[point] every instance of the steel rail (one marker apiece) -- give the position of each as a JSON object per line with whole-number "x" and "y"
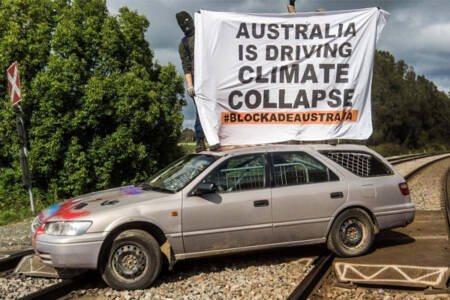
{"x": 62, "y": 288}
{"x": 409, "y": 158}
{"x": 423, "y": 166}
{"x": 445, "y": 205}
{"x": 13, "y": 259}
{"x": 309, "y": 283}
{"x": 406, "y": 158}
{"x": 324, "y": 262}
{"x": 302, "y": 291}
{"x": 51, "y": 292}
{"x": 389, "y": 158}
{"x": 398, "y": 157}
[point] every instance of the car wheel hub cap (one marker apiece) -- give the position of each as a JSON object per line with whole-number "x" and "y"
{"x": 351, "y": 232}
{"x": 129, "y": 261}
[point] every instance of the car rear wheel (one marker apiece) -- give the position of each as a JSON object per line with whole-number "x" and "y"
{"x": 351, "y": 234}
{"x": 134, "y": 261}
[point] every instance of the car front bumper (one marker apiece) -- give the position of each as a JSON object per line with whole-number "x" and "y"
{"x": 80, "y": 252}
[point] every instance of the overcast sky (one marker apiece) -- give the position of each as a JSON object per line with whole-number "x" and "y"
{"x": 418, "y": 31}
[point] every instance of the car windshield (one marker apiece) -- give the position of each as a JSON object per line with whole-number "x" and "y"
{"x": 178, "y": 174}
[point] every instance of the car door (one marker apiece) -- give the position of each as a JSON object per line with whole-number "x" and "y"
{"x": 305, "y": 195}
{"x": 237, "y": 215}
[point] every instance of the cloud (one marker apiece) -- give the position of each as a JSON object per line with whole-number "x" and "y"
{"x": 417, "y": 31}
{"x": 436, "y": 37}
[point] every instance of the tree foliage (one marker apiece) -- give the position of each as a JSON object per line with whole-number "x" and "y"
{"x": 408, "y": 110}
{"x": 99, "y": 111}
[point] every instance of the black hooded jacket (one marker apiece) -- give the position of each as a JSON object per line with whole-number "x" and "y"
{"x": 186, "y": 47}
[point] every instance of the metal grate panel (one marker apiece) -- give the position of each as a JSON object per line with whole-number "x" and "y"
{"x": 238, "y": 179}
{"x": 356, "y": 162}
{"x": 290, "y": 173}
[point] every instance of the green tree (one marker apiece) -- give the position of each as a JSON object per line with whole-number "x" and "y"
{"x": 188, "y": 135}
{"x": 99, "y": 111}
{"x": 408, "y": 110}
{"x": 25, "y": 34}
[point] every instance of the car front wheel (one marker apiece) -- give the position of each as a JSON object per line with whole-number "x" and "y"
{"x": 351, "y": 234}
{"x": 134, "y": 261}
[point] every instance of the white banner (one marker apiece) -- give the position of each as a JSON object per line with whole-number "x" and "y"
{"x": 262, "y": 78}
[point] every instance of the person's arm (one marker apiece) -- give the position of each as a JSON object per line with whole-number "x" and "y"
{"x": 188, "y": 77}
{"x": 190, "y": 84}
{"x": 186, "y": 63}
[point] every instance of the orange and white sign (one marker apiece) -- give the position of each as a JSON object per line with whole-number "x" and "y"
{"x": 15, "y": 90}
{"x": 263, "y": 78}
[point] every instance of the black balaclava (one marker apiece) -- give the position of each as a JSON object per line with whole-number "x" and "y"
{"x": 181, "y": 17}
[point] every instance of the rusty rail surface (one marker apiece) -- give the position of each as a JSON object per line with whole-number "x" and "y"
{"x": 309, "y": 283}
{"x": 302, "y": 291}
{"x": 445, "y": 204}
{"x": 13, "y": 259}
{"x": 62, "y": 288}
{"x": 423, "y": 166}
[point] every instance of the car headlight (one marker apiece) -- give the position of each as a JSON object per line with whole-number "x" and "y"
{"x": 67, "y": 228}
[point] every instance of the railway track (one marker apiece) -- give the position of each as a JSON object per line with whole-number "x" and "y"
{"x": 325, "y": 261}
{"x": 62, "y": 288}
{"x": 423, "y": 166}
{"x": 10, "y": 261}
{"x": 322, "y": 265}
{"x": 402, "y": 159}
{"x": 445, "y": 204}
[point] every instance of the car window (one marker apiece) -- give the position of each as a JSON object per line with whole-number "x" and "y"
{"x": 177, "y": 175}
{"x": 360, "y": 163}
{"x": 239, "y": 173}
{"x": 293, "y": 168}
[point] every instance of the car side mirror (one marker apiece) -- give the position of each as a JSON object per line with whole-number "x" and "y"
{"x": 205, "y": 188}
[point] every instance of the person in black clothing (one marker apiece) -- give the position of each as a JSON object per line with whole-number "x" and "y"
{"x": 186, "y": 51}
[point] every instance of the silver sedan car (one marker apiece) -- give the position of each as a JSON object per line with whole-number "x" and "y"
{"x": 224, "y": 202}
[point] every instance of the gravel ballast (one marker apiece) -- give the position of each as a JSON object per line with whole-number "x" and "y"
{"x": 407, "y": 167}
{"x": 262, "y": 275}
{"x": 13, "y": 287}
{"x": 426, "y": 188}
{"x": 15, "y": 236}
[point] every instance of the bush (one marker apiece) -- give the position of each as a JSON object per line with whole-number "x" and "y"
{"x": 390, "y": 149}
{"x": 436, "y": 147}
{"x": 99, "y": 112}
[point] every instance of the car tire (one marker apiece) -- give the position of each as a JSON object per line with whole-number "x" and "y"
{"x": 352, "y": 233}
{"x": 134, "y": 261}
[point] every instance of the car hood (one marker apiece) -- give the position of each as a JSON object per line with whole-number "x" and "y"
{"x": 85, "y": 205}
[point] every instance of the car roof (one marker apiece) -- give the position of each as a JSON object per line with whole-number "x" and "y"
{"x": 287, "y": 147}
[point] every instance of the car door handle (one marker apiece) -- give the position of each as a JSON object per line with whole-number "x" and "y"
{"x": 336, "y": 195}
{"x": 260, "y": 203}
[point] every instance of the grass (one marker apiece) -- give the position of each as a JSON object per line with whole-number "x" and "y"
{"x": 22, "y": 212}
{"x": 17, "y": 214}
{"x": 188, "y": 147}
{"x": 9, "y": 216}
{"x": 13, "y": 216}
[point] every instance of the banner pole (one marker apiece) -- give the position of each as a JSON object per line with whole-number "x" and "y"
{"x": 30, "y": 193}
